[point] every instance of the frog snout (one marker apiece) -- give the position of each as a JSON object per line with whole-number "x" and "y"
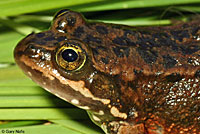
{"x": 21, "y": 46}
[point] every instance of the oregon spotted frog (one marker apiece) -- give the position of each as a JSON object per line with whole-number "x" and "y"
{"x": 131, "y": 80}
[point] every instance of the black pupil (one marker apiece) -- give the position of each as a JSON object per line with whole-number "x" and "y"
{"x": 69, "y": 55}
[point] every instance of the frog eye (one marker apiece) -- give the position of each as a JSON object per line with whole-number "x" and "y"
{"x": 60, "y": 13}
{"x": 70, "y": 57}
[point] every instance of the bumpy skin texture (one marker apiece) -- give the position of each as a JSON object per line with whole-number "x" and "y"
{"x": 136, "y": 80}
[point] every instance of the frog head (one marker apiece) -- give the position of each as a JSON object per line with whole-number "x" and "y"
{"x": 67, "y": 65}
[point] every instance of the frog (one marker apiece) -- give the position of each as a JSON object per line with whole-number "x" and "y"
{"x": 130, "y": 80}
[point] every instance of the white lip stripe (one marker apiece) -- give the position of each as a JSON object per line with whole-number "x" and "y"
{"x": 75, "y": 85}
{"x": 75, "y": 101}
{"x": 115, "y": 112}
{"x": 95, "y": 118}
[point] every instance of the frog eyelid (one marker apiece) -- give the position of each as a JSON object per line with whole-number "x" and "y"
{"x": 61, "y": 13}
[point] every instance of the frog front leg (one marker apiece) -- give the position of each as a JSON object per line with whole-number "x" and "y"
{"x": 122, "y": 127}
{"x": 150, "y": 126}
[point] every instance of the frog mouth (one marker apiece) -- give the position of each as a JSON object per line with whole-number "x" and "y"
{"x": 43, "y": 74}
{"x": 51, "y": 81}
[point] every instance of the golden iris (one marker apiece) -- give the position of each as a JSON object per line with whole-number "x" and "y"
{"x": 70, "y": 57}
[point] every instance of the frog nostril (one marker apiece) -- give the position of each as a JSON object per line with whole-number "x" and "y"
{"x": 30, "y": 47}
{"x": 23, "y": 44}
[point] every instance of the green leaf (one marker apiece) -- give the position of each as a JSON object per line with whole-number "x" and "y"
{"x": 13, "y": 76}
{"x": 32, "y": 101}
{"x": 139, "y": 22}
{"x": 41, "y": 129}
{"x": 42, "y": 113}
{"x": 8, "y": 40}
{"x": 21, "y": 28}
{"x": 20, "y": 123}
{"x": 16, "y": 7}
{"x": 127, "y": 4}
{"x": 22, "y": 90}
{"x": 82, "y": 126}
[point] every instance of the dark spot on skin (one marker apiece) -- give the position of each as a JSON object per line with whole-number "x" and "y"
{"x": 180, "y": 34}
{"x": 61, "y": 38}
{"x": 71, "y": 21}
{"x": 40, "y": 35}
{"x": 105, "y": 60}
{"x": 186, "y": 49}
{"x": 130, "y": 32}
{"x": 195, "y": 30}
{"x": 123, "y": 41}
{"x": 126, "y": 51}
{"x": 121, "y": 51}
{"x": 78, "y": 32}
{"x": 147, "y": 42}
{"x": 174, "y": 77}
{"x": 185, "y": 26}
{"x": 190, "y": 60}
{"x": 118, "y": 52}
{"x": 116, "y": 27}
{"x": 97, "y": 49}
{"x": 38, "y": 41}
{"x": 197, "y": 74}
{"x": 49, "y": 38}
{"x": 169, "y": 61}
{"x": 137, "y": 72}
{"x": 55, "y": 44}
{"x": 149, "y": 56}
{"x": 118, "y": 40}
{"x": 164, "y": 39}
{"x": 90, "y": 38}
{"x": 102, "y": 29}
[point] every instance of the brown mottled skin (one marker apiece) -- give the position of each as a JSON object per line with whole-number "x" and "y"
{"x": 149, "y": 75}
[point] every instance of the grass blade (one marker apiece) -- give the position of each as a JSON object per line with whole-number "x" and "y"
{"x": 42, "y": 114}
{"x": 32, "y": 101}
{"x": 121, "y": 4}
{"x": 41, "y": 129}
{"x": 82, "y": 126}
{"x": 23, "y": 29}
{"x": 20, "y": 123}
{"x": 13, "y": 76}
{"x": 16, "y": 7}
{"x": 22, "y": 91}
